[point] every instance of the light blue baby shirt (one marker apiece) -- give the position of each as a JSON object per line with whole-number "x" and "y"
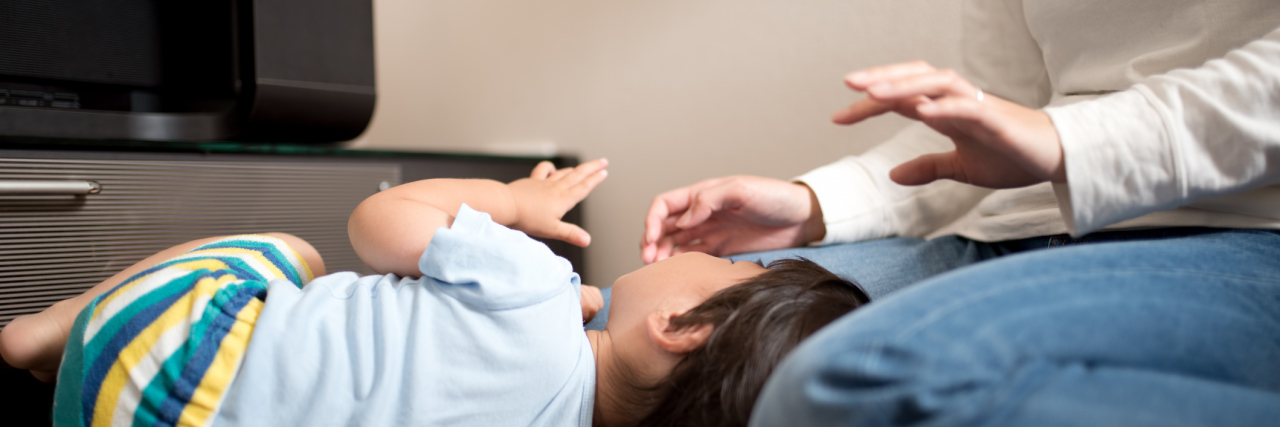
{"x": 491, "y": 336}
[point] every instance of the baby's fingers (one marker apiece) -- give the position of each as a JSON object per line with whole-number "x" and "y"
{"x": 559, "y": 174}
{"x": 542, "y": 170}
{"x": 861, "y": 110}
{"x": 592, "y": 302}
{"x": 584, "y": 187}
{"x": 586, "y": 170}
{"x": 571, "y": 234}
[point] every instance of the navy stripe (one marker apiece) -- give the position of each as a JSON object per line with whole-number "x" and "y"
{"x": 267, "y": 250}
{"x": 218, "y": 327}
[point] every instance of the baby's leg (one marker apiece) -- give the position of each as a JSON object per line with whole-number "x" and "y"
{"x": 35, "y": 342}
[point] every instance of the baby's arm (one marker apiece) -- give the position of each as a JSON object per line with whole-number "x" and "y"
{"x": 390, "y": 230}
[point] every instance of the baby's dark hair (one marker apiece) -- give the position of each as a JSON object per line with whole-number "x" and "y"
{"x": 757, "y": 323}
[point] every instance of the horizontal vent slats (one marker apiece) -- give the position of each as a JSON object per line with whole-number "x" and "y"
{"x": 55, "y": 247}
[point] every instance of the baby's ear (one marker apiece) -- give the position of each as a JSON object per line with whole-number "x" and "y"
{"x": 677, "y": 342}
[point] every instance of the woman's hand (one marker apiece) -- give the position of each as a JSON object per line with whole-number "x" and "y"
{"x": 730, "y": 215}
{"x": 999, "y": 144}
{"x": 543, "y": 198}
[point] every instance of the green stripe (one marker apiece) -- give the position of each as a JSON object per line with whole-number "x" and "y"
{"x": 66, "y": 401}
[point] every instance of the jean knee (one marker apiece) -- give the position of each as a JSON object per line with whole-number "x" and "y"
{"x": 867, "y": 380}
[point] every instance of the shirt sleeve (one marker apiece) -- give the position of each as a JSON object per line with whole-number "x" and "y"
{"x": 1173, "y": 139}
{"x": 859, "y": 201}
{"x": 487, "y": 265}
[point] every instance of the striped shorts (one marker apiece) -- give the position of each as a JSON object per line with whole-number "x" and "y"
{"x": 162, "y": 347}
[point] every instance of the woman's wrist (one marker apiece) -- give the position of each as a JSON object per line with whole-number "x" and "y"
{"x": 814, "y": 229}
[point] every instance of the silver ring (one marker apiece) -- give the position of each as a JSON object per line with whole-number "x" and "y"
{"x": 981, "y": 95}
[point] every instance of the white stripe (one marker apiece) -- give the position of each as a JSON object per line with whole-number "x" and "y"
{"x": 145, "y": 371}
{"x": 157, "y": 279}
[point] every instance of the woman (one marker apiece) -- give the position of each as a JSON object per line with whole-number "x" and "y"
{"x": 1154, "y": 122}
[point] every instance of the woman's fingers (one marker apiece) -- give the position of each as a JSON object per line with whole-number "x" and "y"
{"x": 927, "y": 168}
{"x": 662, "y": 210}
{"x": 861, "y": 80}
{"x": 861, "y": 110}
{"x": 901, "y": 88}
{"x": 698, "y": 239}
{"x": 704, "y": 204}
{"x": 956, "y": 108}
{"x": 664, "y": 246}
{"x": 936, "y": 84}
{"x": 669, "y": 207}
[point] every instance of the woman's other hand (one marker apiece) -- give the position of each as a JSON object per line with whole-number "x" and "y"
{"x": 729, "y": 215}
{"x": 999, "y": 144}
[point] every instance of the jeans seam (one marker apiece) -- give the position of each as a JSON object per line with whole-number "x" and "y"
{"x": 933, "y": 316}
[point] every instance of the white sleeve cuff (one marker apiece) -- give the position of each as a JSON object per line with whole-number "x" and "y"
{"x": 852, "y": 206}
{"x": 1119, "y": 160}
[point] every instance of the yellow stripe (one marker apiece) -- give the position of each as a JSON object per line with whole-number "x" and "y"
{"x": 140, "y": 347}
{"x": 305, "y": 268}
{"x": 273, "y": 271}
{"x": 208, "y": 395}
{"x": 211, "y": 264}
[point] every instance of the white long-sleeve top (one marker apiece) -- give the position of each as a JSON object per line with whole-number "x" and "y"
{"x": 1168, "y": 112}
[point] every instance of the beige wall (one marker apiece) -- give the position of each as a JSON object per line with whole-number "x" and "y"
{"x": 671, "y": 91}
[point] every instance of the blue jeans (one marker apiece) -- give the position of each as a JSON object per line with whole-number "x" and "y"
{"x": 880, "y": 266}
{"x": 1162, "y": 327}
{"x": 884, "y": 266}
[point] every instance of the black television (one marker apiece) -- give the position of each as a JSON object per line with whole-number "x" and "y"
{"x": 298, "y": 71}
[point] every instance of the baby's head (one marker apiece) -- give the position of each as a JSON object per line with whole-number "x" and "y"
{"x": 691, "y": 340}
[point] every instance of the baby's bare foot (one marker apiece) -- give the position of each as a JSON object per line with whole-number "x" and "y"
{"x": 35, "y": 342}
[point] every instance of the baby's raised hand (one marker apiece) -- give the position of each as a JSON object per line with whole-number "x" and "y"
{"x": 547, "y": 194}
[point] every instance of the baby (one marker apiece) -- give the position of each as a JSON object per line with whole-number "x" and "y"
{"x": 471, "y": 322}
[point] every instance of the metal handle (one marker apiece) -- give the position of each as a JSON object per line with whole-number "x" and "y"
{"x": 9, "y": 187}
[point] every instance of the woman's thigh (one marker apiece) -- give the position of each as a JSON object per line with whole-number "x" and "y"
{"x": 885, "y": 266}
{"x": 1181, "y": 331}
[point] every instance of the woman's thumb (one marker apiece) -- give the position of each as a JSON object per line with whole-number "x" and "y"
{"x": 925, "y": 169}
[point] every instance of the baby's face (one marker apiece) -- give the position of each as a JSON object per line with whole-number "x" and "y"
{"x": 678, "y": 283}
